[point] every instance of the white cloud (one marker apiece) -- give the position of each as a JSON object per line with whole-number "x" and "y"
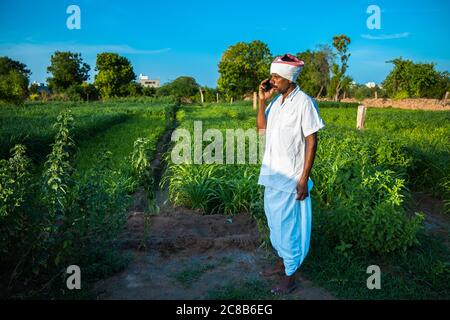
{"x": 386, "y": 36}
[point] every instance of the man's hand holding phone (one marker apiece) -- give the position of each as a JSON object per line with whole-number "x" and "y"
{"x": 265, "y": 90}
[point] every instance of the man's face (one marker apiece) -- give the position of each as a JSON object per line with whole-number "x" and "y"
{"x": 280, "y": 84}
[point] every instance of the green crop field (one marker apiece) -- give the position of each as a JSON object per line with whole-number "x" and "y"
{"x": 67, "y": 174}
{"x": 414, "y": 145}
{"x": 32, "y": 125}
{"x": 364, "y": 183}
{"x": 68, "y": 171}
{"x": 130, "y": 160}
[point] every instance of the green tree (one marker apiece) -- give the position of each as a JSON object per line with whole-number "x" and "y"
{"x": 7, "y": 65}
{"x": 135, "y": 89}
{"x": 242, "y": 67}
{"x": 14, "y": 80}
{"x": 415, "y": 80}
{"x": 115, "y": 73}
{"x": 89, "y": 91}
{"x": 182, "y": 88}
{"x": 34, "y": 89}
{"x": 67, "y": 69}
{"x": 346, "y": 83}
{"x": 315, "y": 76}
{"x": 82, "y": 92}
{"x": 361, "y": 92}
{"x": 210, "y": 94}
{"x": 149, "y": 91}
{"x": 339, "y": 79}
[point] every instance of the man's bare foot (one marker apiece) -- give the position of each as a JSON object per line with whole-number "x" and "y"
{"x": 287, "y": 285}
{"x": 278, "y": 268}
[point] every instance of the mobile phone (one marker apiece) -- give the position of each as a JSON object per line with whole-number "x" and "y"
{"x": 267, "y": 85}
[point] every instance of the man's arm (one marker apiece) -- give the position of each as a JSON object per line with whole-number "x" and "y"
{"x": 262, "y": 98}
{"x": 310, "y": 154}
{"x": 261, "y": 118}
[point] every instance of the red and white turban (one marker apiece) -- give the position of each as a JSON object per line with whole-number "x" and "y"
{"x": 287, "y": 66}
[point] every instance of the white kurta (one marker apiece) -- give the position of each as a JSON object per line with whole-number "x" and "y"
{"x": 289, "y": 220}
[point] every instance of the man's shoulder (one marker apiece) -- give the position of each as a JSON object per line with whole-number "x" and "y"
{"x": 302, "y": 98}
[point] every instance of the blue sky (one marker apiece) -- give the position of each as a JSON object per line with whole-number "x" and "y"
{"x": 167, "y": 39}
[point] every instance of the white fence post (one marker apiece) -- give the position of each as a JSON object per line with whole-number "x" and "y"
{"x": 361, "y": 117}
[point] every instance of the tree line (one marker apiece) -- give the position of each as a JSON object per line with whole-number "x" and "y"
{"x": 244, "y": 65}
{"x": 68, "y": 72}
{"x": 241, "y": 68}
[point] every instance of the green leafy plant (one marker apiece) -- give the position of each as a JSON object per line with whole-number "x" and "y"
{"x": 58, "y": 168}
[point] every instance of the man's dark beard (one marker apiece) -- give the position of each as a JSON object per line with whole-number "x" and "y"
{"x": 291, "y": 86}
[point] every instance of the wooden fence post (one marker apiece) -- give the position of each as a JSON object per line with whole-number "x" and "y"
{"x": 231, "y": 100}
{"x": 445, "y": 98}
{"x": 376, "y": 94}
{"x": 201, "y": 95}
{"x": 361, "y": 117}
{"x": 217, "y": 97}
{"x": 255, "y": 101}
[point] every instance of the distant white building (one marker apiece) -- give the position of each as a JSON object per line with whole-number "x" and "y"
{"x": 371, "y": 84}
{"x": 146, "y": 82}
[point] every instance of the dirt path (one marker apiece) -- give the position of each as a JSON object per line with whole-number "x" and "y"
{"x": 193, "y": 256}
{"x": 437, "y": 222}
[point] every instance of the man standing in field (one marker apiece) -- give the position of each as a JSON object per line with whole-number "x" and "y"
{"x": 290, "y": 123}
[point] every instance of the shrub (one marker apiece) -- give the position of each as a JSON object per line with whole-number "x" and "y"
{"x": 14, "y": 183}
{"x": 13, "y": 81}
{"x": 58, "y": 168}
{"x": 71, "y": 218}
{"x": 361, "y": 196}
{"x": 13, "y": 87}
{"x": 95, "y": 216}
{"x": 34, "y": 97}
{"x": 401, "y": 95}
{"x": 141, "y": 166}
{"x": 75, "y": 93}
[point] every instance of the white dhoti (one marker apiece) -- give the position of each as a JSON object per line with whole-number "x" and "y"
{"x": 289, "y": 222}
